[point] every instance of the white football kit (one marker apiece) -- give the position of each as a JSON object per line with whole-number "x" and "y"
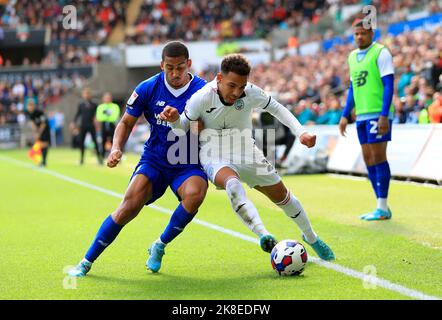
{"x": 226, "y": 140}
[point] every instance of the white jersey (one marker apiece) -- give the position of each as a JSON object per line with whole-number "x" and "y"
{"x": 227, "y": 136}
{"x": 206, "y": 105}
{"x": 225, "y": 120}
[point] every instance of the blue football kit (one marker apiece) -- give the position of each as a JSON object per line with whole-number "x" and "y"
{"x": 149, "y": 98}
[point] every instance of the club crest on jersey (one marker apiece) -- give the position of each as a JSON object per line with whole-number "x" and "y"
{"x": 239, "y": 104}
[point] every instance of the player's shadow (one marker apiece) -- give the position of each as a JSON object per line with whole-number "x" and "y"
{"x": 172, "y": 286}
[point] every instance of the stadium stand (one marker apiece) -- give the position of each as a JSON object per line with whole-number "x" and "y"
{"x": 63, "y": 60}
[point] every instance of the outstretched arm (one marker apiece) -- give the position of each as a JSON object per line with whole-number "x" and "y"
{"x": 122, "y": 132}
{"x": 289, "y": 120}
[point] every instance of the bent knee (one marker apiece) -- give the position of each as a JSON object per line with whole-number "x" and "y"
{"x": 195, "y": 195}
{"x": 192, "y": 199}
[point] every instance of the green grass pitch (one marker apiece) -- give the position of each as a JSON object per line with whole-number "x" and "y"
{"x": 47, "y": 222}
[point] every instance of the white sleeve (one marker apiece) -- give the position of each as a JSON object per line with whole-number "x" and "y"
{"x": 285, "y": 117}
{"x": 191, "y": 113}
{"x": 385, "y": 63}
{"x": 181, "y": 124}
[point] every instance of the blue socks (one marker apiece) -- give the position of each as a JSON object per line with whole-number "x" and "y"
{"x": 106, "y": 234}
{"x": 180, "y": 218}
{"x": 109, "y": 231}
{"x": 383, "y": 178}
{"x": 380, "y": 176}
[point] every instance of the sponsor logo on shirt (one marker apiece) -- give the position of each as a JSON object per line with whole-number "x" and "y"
{"x": 161, "y": 122}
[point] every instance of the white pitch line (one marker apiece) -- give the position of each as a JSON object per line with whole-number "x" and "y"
{"x": 370, "y": 279}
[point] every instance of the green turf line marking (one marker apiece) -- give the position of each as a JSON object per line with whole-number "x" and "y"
{"x": 332, "y": 266}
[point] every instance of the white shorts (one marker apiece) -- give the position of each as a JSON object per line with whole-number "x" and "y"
{"x": 259, "y": 173}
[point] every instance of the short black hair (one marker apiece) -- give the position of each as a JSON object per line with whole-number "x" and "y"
{"x": 236, "y": 63}
{"x": 175, "y": 49}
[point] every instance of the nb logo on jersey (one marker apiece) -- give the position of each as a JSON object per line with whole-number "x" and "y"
{"x": 361, "y": 78}
{"x": 161, "y": 103}
{"x": 211, "y": 109}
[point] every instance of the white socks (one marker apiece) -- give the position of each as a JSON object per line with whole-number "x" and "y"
{"x": 244, "y": 208}
{"x": 160, "y": 242}
{"x": 248, "y": 213}
{"x": 382, "y": 204}
{"x": 293, "y": 209}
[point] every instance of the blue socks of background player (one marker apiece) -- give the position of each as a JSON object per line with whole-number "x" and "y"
{"x": 380, "y": 176}
{"x": 372, "y": 176}
{"x": 106, "y": 234}
{"x": 180, "y": 218}
{"x": 383, "y": 177}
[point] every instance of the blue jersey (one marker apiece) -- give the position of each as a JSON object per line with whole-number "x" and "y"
{"x": 149, "y": 98}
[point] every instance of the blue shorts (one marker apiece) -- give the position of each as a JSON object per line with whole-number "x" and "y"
{"x": 163, "y": 176}
{"x": 368, "y": 131}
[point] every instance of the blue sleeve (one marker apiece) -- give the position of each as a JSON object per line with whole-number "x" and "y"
{"x": 388, "y": 82}
{"x": 350, "y": 104}
{"x": 138, "y": 101}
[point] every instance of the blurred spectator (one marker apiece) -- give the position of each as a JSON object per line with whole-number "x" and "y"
{"x": 84, "y": 123}
{"x": 435, "y": 109}
{"x": 41, "y": 129}
{"x": 108, "y": 114}
{"x": 400, "y": 115}
{"x": 404, "y": 81}
{"x": 411, "y": 108}
{"x": 332, "y": 113}
{"x": 304, "y": 113}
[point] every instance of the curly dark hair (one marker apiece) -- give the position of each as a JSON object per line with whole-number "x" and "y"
{"x": 236, "y": 63}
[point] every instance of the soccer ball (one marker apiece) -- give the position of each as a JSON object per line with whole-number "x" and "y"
{"x": 288, "y": 258}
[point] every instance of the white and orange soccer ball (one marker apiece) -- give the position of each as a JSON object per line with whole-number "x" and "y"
{"x": 289, "y": 258}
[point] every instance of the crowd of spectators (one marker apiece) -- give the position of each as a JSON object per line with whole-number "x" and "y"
{"x": 160, "y": 20}
{"x": 15, "y": 94}
{"x": 315, "y": 86}
{"x": 95, "y": 19}
{"x": 94, "y": 22}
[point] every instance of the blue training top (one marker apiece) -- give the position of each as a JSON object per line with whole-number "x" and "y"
{"x": 149, "y": 98}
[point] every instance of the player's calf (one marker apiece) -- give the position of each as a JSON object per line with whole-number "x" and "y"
{"x": 245, "y": 209}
